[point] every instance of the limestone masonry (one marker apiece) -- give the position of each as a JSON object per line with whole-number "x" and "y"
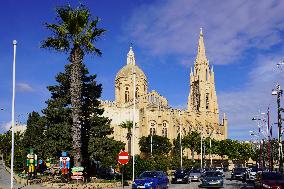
{"x": 152, "y": 112}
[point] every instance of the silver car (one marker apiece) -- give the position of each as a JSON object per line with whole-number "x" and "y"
{"x": 194, "y": 175}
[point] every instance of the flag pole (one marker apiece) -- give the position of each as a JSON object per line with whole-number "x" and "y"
{"x": 13, "y": 113}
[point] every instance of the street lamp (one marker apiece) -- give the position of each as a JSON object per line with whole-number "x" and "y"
{"x": 180, "y": 128}
{"x": 278, "y": 91}
{"x": 13, "y": 112}
{"x": 133, "y": 128}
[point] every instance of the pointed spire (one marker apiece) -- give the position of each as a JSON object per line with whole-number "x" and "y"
{"x": 191, "y": 71}
{"x": 212, "y": 68}
{"x": 130, "y": 56}
{"x": 201, "y": 56}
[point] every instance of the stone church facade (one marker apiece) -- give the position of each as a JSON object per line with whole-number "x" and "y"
{"x": 151, "y": 111}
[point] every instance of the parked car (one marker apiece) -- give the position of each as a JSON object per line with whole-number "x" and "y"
{"x": 151, "y": 179}
{"x": 194, "y": 175}
{"x": 181, "y": 176}
{"x": 274, "y": 180}
{"x": 238, "y": 173}
{"x": 251, "y": 173}
{"x": 212, "y": 179}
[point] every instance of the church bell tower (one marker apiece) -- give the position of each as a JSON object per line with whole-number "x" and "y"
{"x": 202, "y": 96}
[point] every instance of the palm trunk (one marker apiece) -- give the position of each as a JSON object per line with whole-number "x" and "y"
{"x": 129, "y": 141}
{"x": 76, "y": 57}
{"x": 192, "y": 154}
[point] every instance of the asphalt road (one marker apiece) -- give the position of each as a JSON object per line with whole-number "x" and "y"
{"x": 5, "y": 183}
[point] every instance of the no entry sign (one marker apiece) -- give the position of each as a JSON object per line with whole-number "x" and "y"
{"x": 123, "y": 158}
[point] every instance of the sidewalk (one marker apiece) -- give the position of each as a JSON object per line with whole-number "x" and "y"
{"x": 5, "y": 181}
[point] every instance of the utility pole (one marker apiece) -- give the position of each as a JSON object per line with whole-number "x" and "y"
{"x": 133, "y": 128}
{"x": 201, "y": 154}
{"x": 279, "y": 93}
{"x": 13, "y": 114}
{"x": 180, "y": 128}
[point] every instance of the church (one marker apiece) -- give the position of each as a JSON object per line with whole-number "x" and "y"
{"x": 151, "y": 112}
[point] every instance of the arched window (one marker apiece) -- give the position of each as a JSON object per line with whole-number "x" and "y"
{"x": 152, "y": 129}
{"x": 165, "y": 130}
{"x": 207, "y": 101}
{"x": 126, "y": 95}
{"x": 137, "y": 93}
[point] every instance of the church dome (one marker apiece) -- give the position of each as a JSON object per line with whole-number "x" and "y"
{"x": 128, "y": 70}
{"x": 130, "y": 67}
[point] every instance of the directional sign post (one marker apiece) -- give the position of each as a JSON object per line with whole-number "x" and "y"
{"x": 123, "y": 158}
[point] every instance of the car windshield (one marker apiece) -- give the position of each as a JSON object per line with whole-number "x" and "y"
{"x": 240, "y": 169}
{"x": 195, "y": 171}
{"x": 212, "y": 174}
{"x": 149, "y": 174}
{"x": 180, "y": 171}
{"x": 253, "y": 169}
{"x": 272, "y": 176}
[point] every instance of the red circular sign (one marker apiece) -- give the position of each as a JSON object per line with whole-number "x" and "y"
{"x": 123, "y": 158}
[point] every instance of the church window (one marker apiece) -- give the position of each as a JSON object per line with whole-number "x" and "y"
{"x": 126, "y": 95}
{"x": 207, "y": 101}
{"x": 206, "y": 75}
{"x": 152, "y": 129}
{"x": 165, "y": 130}
{"x": 137, "y": 92}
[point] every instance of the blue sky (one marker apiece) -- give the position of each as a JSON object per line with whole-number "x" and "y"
{"x": 243, "y": 40}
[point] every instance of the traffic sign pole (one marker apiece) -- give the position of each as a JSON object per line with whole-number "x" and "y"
{"x": 123, "y": 158}
{"x": 122, "y": 175}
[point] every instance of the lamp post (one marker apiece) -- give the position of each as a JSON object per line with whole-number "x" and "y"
{"x": 151, "y": 145}
{"x": 278, "y": 91}
{"x": 252, "y": 133}
{"x": 133, "y": 128}
{"x": 13, "y": 113}
{"x": 180, "y": 128}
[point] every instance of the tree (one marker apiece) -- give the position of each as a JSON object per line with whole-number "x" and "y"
{"x": 19, "y": 153}
{"x": 128, "y": 125}
{"x": 160, "y": 145}
{"x": 96, "y": 143}
{"x": 192, "y": 141}
{"x": 34, "y": 134}
{"x": 75, "y": 33}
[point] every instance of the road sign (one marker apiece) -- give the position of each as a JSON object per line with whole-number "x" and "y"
{"x": 123, "y": 158}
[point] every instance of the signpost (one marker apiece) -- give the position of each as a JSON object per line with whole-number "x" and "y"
{"x": 123, "y": 158}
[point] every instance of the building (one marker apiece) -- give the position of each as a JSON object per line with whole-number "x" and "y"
{"x": 151, "y": 111}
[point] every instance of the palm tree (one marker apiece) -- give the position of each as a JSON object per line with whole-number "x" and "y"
{"x": 128, "y": 125}
{"x": 74, "y": 33}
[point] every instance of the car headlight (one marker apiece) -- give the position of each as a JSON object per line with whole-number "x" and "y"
{"x": 173, "y": 176}
{"x": 149, "y": 183}
{"x": 266, "y": 186}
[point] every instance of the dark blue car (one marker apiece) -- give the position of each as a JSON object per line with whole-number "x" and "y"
{"x": 151, "y": 179}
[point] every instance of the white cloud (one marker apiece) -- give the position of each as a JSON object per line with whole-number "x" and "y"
{"x": 243, "y": 104}
{"x": 230, "y": 27}
{"x": 6, "y": 126}
{"x": 24, "y": 87}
